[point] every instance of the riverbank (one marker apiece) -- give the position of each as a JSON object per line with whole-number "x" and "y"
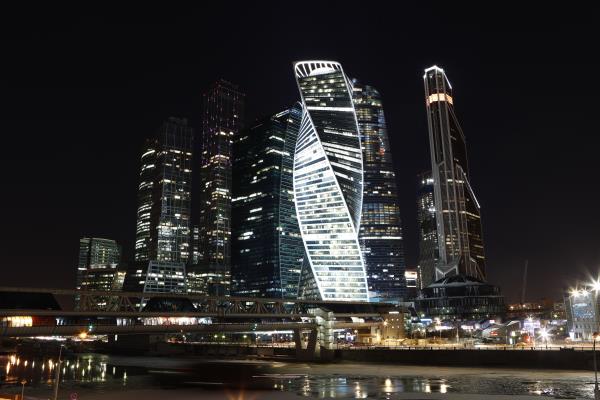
{"x": 435, "y": 356}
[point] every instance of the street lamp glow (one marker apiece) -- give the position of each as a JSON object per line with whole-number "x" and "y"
{"x": 595, "y": 285}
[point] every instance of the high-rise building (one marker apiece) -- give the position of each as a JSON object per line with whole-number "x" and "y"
{"x": 458, "y": 214}
{"x": 267, "y": 249}
{"x": 328, "y": 184}
{"x": 428, "y": 236}
{"x": 164, "y": 200}
{"x": 222, "y": 120}
{"x": 163, "y": 231}
{"x": 380, "y": 234}
{"x": 97, "y": 268}
{"x": 95, "y": 253}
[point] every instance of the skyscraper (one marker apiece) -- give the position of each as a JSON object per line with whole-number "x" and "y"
{"x": 222, "y": 119}
{"x": 458, "y": 214}
{"x": 380, "y": 233}
{"x": 328, "y": 184}
{"x": 163, "y": 215}
{"x": 164, "y": 200}
{"x": 428, "y": 236}
{"x": 97, "y": 268}
{"x": 267, "y": 249}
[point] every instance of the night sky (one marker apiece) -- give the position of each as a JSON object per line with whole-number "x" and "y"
{"x": 81, "y": 88}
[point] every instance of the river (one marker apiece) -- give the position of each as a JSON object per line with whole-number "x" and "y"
{"x": 95, "y": 376}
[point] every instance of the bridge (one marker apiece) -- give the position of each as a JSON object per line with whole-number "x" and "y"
{"x": 122, "y": 314}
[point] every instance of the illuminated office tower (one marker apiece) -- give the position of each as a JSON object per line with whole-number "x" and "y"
{"x": 222, "y": 120}
{"x": 428, "y": 237}
{"x": 458, "y": 214}
{"x": 97, "y": 268}
{"x": 163, "y": 231}
{"x": 267, "y": 249}
{"x": 328, "y": 184}
{"x": 380, "y": 234}
{"x": 163, "y": 215}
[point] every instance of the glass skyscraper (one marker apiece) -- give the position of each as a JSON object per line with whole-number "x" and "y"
{"x": 267, "y": 250}
{"x": 458, "y": 214}
{"x": 97, "y": 268}
{"x": 380, "y": 234}
{"x": 222, "y": 120}
{"x": 163, "y": 215}
{"x": 163, "y": 231}
{"x": 328, "y": 184}
{"x": 428, "y": 236}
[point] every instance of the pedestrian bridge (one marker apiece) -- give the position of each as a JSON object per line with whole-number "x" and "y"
{"x": 122, "y": 314}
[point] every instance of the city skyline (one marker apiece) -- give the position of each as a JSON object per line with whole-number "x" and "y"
{"x": 101, "y": 136}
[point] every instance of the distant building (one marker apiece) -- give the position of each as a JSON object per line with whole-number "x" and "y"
{"x": 96, "y": 253}
{"x": 583, "y": 314}
{"x": 163, "y": 231}
{"x": 380, "y": 234}
{"x": 222, "y": 120}
{"x": 428, "y": 236}
{"x": 458, "y": 214}
{"x": 328, "y": 184}
{"x": 460, "y": 297}
{"x": 267, "y": 249}
{"x": 107, "y": 279}
{"x": 97, "y": 266}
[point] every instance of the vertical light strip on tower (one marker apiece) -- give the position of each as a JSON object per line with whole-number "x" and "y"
{"x": 328, "y": 183}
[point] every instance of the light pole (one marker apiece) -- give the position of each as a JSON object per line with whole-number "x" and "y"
{"x": 23, "y": 382}
{"x": 544, "y": 334}
{"x": 457, "y": 336}
{"x": 596, "y": 390}
{"x": 57, "y": 378}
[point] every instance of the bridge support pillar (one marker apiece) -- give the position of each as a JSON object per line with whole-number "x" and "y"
{"x": 320, "y": 340}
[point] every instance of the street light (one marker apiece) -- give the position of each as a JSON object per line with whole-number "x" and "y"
{"x": 57, "y": 372}
{"x": 23, "y": 382}
{"x": 544, "y": 334}
{"x": 596, "y": 390}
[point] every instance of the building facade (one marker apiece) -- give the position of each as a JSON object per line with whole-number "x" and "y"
{"x": 582, "y": 308}
{"x": 328, "y": 184}
{"x": 164, "y": 199}
{"x": 222, "y": 120}
{"x": 267, "y": 249}
{"x": 460, "y": 297}
{"x": 411, "y": 276}
{"x": 165, "y": 277}
{"x": 97, "y": 268}
{"x": 380, "y": 234}
{"x": 428, "y": 236}
{"x": 163, "y": 230}
{"x": 458, "y": 214}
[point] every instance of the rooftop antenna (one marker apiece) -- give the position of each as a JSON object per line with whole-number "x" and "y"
{"x": 524, "y": 283}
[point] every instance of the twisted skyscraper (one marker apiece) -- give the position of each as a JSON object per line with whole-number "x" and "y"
{"x": 328, "y": 184}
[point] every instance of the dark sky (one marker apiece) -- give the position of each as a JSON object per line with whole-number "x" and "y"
{"x": 80, "y": 89}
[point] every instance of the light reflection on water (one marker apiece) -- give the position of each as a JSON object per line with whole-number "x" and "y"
{"x": 96, "y": 373}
